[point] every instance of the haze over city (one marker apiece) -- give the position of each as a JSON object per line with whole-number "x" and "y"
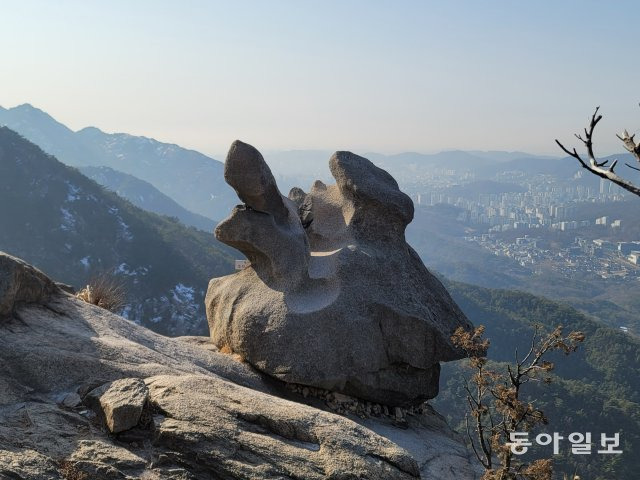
{"x": 365, "y": 76}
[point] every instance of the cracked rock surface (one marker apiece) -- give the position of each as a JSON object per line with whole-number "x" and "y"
{"x": 204, "y": 415}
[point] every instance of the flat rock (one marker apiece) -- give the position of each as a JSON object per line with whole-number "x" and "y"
{"x": 334, "y": 298}
{"x": 252, "y": 435}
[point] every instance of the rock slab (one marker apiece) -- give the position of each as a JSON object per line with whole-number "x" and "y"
{"x": 212, "y": 417}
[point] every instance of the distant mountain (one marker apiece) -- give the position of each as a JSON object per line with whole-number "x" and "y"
{"x": 73, "y": 229}
{"x": 501, "y": 156}
{"x": 302, "y": 167}
{"x": 144, "y": 195}
{"x": 299, "y": 168}
{"x": 310, "y": 163}
{"x": 192, "y": 179}
{"x": 472, "y": 190}
{"x": 563, "y": 167}
{"x": 452, "y": 159}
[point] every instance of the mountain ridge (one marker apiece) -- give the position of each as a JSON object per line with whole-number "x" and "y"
{"x": 191, "y": 178}
{"x": 73, "y": 229}
{"x": 144, "y": 195}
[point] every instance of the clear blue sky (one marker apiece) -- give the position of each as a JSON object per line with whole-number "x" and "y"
{"x": 384, "y": 76}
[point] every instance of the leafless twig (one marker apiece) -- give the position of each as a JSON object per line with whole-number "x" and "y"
{"x": 603, "y": 169}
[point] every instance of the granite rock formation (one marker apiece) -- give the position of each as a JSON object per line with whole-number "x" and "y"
{"x": 86, "y": 394}
{"x": 334, "y": 297}
{"x": 21, "y": 284}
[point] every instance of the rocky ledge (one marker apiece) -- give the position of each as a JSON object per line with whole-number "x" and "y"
{"x": 85, "y": 394}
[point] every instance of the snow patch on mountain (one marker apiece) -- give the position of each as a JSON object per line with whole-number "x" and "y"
{"x": 183, "y": 294}
{"x": 73, "y": 192}
{"x": 124, "y": 269}
{"x": 68, "y": 220}
{"x": 125, "y": 232}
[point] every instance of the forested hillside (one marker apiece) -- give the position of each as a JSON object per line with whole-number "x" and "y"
{"x": 596, "y": 389}
{"x": 73, "y": 229}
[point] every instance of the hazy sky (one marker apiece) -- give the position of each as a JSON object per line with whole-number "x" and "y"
{"x": 384, "y": 76}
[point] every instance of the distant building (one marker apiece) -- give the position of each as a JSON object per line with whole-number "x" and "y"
{"x": 604, "y": 244}
{"x": 604, "y": 188}
{"x": 625, "y": 248}
{"x": 634, "y": 257}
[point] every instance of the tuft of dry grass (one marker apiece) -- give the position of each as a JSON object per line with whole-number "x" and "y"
{"x": 106, "y": 292}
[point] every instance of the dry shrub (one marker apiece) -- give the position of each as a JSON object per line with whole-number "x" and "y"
{"x": 497, "y": 406}
{"x": 105, "y": 291}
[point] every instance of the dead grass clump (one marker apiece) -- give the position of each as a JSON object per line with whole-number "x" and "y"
{"x": 106, "y": 292}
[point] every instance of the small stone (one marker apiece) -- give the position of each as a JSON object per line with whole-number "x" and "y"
{"x": 339, "y": 397}
{"x": 121, "y": 402}
{"x": 71, "y": 400}
{"x": 398, "y": 414}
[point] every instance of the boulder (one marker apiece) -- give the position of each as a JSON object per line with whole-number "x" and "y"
{"x": 334, "y": 298}
{"x": 120, "y": 402}
{"x": 21, "y": 284}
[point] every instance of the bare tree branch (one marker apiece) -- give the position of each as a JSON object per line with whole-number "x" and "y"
{"x": 601, "y": 169}
{"x": 630, "y": 144}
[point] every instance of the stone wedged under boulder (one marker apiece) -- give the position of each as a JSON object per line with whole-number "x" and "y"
{"x": 334, "y": 298}
{"x": 204, "y": 414}
{"x": 20, "y": 284}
